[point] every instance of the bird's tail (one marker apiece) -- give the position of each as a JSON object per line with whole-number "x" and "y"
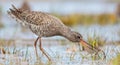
{"x": 14, "y": 12}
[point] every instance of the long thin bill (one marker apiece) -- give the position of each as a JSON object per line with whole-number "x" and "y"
{"x": 89, "y": 47}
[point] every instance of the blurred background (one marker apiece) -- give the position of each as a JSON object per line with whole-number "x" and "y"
{"x": 97, "y": 20}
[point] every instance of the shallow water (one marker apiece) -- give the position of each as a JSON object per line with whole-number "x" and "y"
{"x": 59, "y": 54}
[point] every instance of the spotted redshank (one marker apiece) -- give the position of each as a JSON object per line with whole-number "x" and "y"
{"x": 46, "y": 25}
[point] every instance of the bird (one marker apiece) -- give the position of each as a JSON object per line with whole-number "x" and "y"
{"x": 46, "y": 25}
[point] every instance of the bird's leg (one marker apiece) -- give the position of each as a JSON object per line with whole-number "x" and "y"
{"x": 43, "y": 51}
{"x": 36, "y": 46}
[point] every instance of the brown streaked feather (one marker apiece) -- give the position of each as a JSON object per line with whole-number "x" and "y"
{"x": 16, "y": 10}
{"x": 14, "y": 7}
{"x": 39, "y": 18}
{"x": 15, "y": 13}
{"x": 33, "y": 17}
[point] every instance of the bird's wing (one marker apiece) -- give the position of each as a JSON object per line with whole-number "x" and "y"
{"x": 40, "y": 18}
{"x": 34, "y": 17}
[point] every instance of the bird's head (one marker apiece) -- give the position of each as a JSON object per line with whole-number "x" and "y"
{"x": 72, "y": 35}
{"x": 75, "y": 36}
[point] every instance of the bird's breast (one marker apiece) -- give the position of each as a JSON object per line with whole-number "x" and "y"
{"x": 44, "y": 31}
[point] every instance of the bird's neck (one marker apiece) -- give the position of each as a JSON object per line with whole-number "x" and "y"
{"x": 66, "y": 32}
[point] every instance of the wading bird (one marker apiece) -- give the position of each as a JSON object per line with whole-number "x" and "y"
{"x": 46, "y": 25}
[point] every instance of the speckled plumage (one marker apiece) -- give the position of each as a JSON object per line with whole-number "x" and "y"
{"x": 42, "y": 24}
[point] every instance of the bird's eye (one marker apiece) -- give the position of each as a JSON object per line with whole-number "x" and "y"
{"x": 78, "y": 37}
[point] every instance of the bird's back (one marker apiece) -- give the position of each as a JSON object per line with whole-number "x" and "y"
{"x": 42, "y": 24}
{"x": 39, "y": 18}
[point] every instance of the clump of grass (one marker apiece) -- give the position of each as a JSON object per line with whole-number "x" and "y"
{"x": 4, "y": 45}
{"x": 96, "y": 41}
{"x": 4, "y": 42}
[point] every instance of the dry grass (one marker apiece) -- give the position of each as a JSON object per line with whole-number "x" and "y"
{"x": 4, "y": 42}
{"x": 96, "y": 41}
